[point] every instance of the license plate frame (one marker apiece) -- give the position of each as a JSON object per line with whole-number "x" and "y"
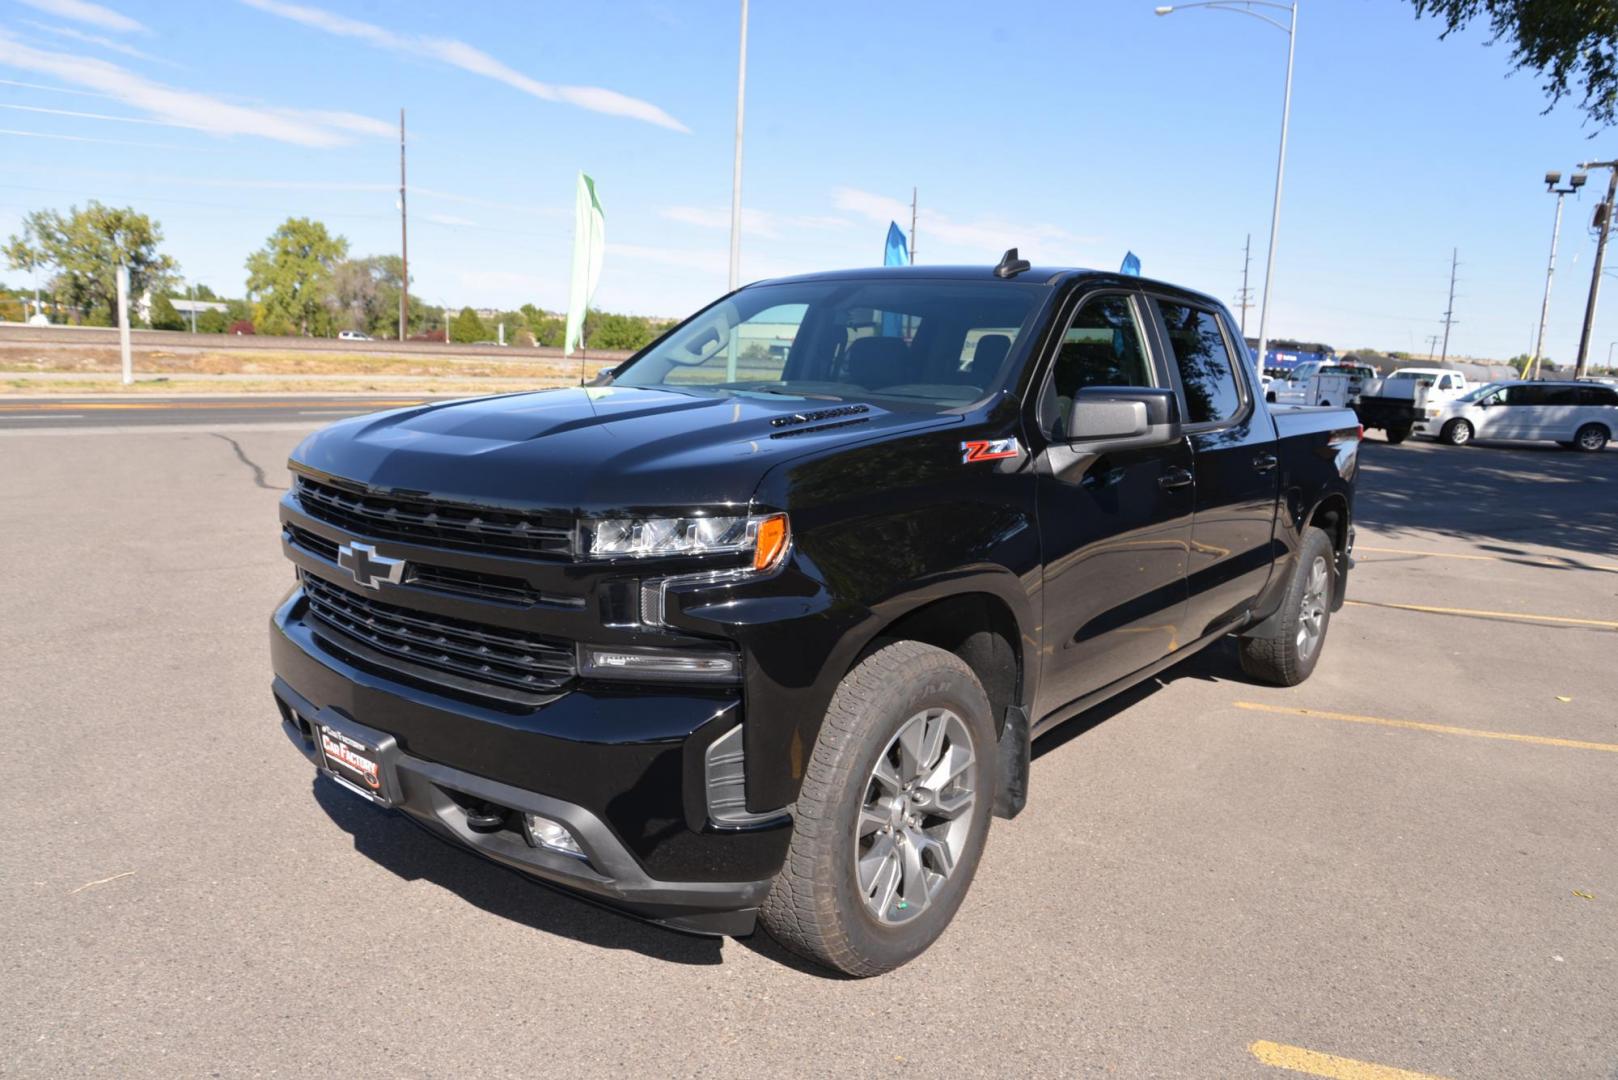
{"x": 353, "y": 763}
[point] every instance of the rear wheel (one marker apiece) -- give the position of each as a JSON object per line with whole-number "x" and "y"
{"x": 1398, "y": 433}
{"x": 892, "y": 816}
{"x": 1296, "y": 634}
{"x": 1457, "y": 432}
{"x": 1591, "y": 437}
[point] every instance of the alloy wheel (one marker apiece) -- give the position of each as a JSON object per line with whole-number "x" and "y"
{"x": 916, "y": 818}
{"x": 1312, "y": 614}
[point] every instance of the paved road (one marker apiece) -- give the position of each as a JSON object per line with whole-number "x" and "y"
{"x": 1213, "y": 878}
{"x": 32, "y": 414}
{"x": 179, "y": 341}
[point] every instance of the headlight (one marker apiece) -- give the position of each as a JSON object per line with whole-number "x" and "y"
{"x": 766, "y": 536}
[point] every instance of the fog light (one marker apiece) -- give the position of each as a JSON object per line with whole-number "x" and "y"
{"x": 653, "y": 663}
{"x": 545, "y": 833}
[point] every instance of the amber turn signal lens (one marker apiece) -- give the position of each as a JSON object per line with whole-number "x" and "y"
{"x": 770, "y": 544}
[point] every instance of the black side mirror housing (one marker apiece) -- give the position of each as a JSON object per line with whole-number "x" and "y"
{"x": 1124, "y": 416}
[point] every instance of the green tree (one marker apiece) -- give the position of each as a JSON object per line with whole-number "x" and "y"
{"x": 211, "y": 322}
{"x": 292, "y": 277}
{"x": 1573, "y": 44}
{"x": 546, "y": 328}
{"x": 85, "y": 248}
{"x": 164, "y": 316}
{"x": 466, "y": 328}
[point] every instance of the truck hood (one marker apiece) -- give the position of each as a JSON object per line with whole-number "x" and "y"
{"x": 593, "y": 449}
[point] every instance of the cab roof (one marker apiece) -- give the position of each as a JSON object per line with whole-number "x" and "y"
{"x": 1036, "y": 275}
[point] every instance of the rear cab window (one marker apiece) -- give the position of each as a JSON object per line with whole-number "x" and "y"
{"x": 1202, "y": 357}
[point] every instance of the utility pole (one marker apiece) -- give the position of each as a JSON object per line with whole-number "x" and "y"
{"x": 1604, "y": 213}
{"x": 1244, "y": 299}
{"x": 736, "y": 168}
{"x": 404, "y": 241}
{"x": 1432, "y": 345}
{"x": 1449, "y": 312}
{"x": 121, "y": 277}
{"x": 912, "y": 226}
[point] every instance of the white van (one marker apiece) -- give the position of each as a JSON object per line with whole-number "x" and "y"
{"x": 1573, "y": 414}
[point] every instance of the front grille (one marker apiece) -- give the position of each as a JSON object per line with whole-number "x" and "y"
{"x": 444, "y": 579}
{"x": 453, "y": 653}
{"x": 422, "y": 520}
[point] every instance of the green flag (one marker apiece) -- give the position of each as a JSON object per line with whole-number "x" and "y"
{"x": 588, "y": 239}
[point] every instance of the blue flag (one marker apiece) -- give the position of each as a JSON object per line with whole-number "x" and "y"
{"x": 1131, "y": 264}
{"x": 897, "y": 252}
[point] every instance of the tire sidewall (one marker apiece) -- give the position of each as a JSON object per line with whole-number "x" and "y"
{"x": 1454, "y": 428}
{"x": 935, "y": 687}
{"x": 1578, "y": 439}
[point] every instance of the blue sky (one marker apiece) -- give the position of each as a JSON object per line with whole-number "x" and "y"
{"x": 1072, "y": 130}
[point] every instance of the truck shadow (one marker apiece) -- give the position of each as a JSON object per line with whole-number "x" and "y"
{"x": 412, "y": 853}
{"x": 1499, "y": 494}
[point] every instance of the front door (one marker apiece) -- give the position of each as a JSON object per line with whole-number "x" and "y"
{"x": 1233, "y": 544}
{"x": 1115, "y": 524}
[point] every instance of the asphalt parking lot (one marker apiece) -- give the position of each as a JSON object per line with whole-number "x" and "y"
{"x": 1408, "y": 862}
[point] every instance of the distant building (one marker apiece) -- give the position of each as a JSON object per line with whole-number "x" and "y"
{"x": 187, "y": 308}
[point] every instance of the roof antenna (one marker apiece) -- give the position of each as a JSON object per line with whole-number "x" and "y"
{"x": 1010, "y": 265}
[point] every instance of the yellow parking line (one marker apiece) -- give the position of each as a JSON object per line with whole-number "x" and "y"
{"x": 1314, "y": 1063}
{"x": 1606, "y": 624}
{"x": 1439, "y": 729}
{"x": 1567, "y": 562}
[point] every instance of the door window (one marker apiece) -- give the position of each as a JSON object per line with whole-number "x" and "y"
{"x": 1101, "y": 347}
{"x": 1206, "y": 374}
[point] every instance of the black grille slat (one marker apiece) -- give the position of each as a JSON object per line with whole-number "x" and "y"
{"x": 507, "y": 590}
{"x": 466, "y": 651}
{"x": 421, "y": 520}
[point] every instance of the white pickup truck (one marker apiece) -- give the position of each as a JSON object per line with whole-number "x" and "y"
{"x": 1320, "y": 383}
{"x": 1408, "y": 396}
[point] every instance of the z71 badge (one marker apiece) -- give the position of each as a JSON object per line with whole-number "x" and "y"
{"x": 989, "y": 449}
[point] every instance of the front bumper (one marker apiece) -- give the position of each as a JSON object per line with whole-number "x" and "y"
{"x": 623, "y": 770}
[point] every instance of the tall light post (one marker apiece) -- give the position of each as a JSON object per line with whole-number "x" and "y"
{"x": 736, "y": 166}
{"x": 1604, "y": 223}
{"x": 1574, "y": 183}
{"x": 1290, "y": 28}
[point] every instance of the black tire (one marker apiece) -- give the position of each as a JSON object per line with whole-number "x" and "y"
{"x": 816, "y": 907}
{"x": 1397, "y": 434}
{"x": 1283, "y": 658}
{"x": 1592, "y": 438}
{"x": 1457, "y": 432}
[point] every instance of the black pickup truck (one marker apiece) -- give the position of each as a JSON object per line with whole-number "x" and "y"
{"x": 760, "y": 626}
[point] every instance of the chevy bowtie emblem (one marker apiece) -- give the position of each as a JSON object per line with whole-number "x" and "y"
{"x": 989, "y": 449}
{"x": 369, "y": 568}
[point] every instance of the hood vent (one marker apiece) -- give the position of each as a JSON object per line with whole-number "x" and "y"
{"x": 817, "y": 416}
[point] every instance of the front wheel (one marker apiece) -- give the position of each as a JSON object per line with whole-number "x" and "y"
{"x": 892, "y": 816}
{"x": 1295, "y": 635}
{"x": 1457, "y": 432}
{"x": 1591, "y": 437}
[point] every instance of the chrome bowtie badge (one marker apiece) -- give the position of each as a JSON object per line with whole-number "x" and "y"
{"x": 369, "y": 568}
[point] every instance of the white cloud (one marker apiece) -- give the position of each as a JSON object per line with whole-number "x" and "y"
{"x": 89, "y": 139}
{"x": 182, "y": 108}
{"x": 95, "y": 39}
{"x": 85, "y": 12}
{"x": 980, "y": 239}
{"x": 712, "y": 262}
{"x": 89, "y": 115}
{"x": 755, "y": 223}
{"x": 471, "y": 59}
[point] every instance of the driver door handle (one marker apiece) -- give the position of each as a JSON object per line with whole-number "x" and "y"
{"x": 1265, "y": 462}
{"x": 1174, "y": 478}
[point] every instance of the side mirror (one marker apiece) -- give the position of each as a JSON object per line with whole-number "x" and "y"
{"x": 1128, "y": 416}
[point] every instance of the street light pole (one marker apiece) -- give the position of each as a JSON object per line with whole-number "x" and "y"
{"x": 1290, "y": 28}
{"x": 736, "y": 167}
{"x": 1575, "y": 182}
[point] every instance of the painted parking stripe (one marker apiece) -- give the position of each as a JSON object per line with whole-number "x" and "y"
{"x": 1437, "y": 729}
{"x": 1314, "y": 1063}
{"x": 1515, "y": 616}
{"x": 1560, "y": 562}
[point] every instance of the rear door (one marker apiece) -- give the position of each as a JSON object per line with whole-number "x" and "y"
{"x": 1237, "y": 471}
{"x": 1115, "y": 522}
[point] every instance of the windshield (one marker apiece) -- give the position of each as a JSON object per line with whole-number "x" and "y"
{"x": 922, "y": 341}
